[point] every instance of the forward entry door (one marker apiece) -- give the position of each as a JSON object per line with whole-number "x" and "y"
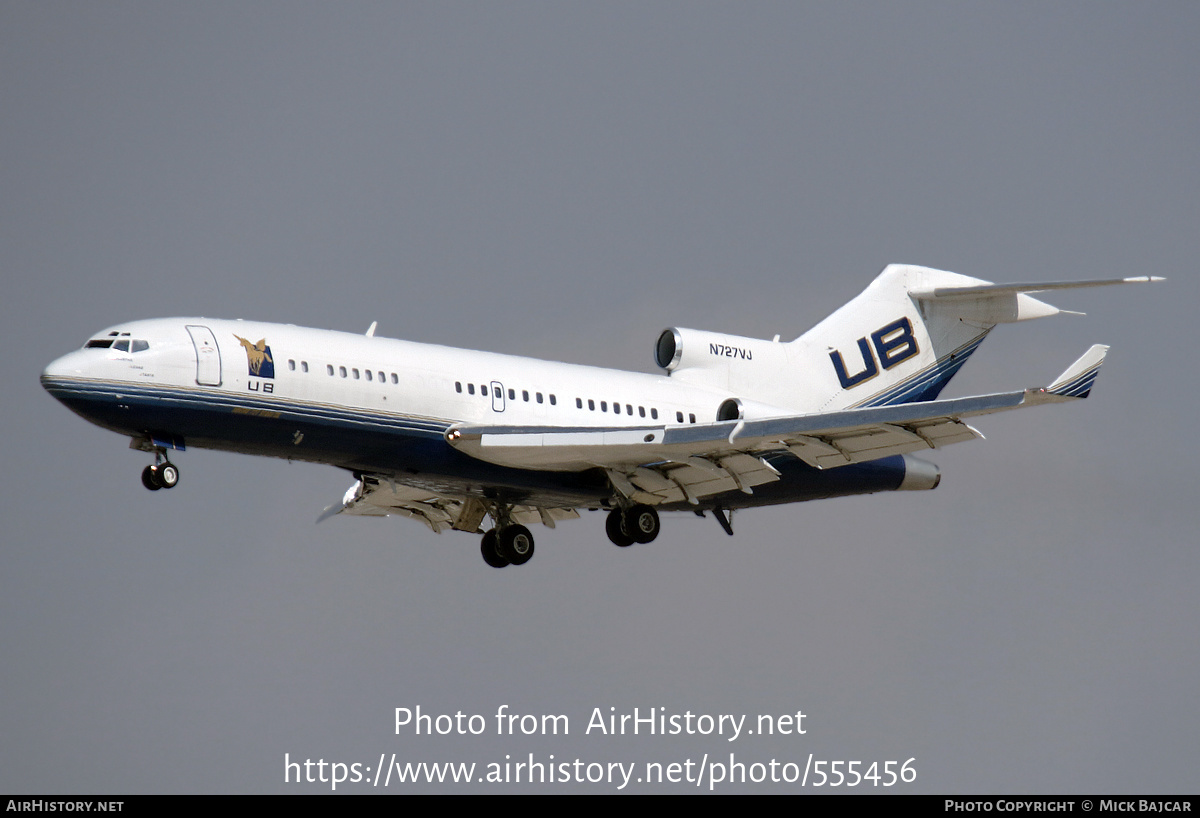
{"x": 208, "y": 356}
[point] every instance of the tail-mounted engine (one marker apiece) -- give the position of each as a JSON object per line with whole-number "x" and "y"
{"x": 723, "y": 361}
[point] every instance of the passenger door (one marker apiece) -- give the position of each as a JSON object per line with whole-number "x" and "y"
{"x": 208, "y": 355}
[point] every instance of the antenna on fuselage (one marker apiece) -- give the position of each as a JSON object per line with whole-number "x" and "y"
{"x": 371, "y": 329}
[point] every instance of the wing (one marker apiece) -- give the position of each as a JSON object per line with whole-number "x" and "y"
{"x": 379, "y": 496}
{"x": 663, "y": 464}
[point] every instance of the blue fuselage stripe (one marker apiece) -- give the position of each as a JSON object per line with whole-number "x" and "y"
{"x": 412, "y": 449}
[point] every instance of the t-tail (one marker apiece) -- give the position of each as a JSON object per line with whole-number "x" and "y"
{"x": 899, "y": 341}
{"x": 903, "y": 338}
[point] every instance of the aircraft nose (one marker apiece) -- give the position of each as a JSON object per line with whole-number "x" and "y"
{"x": 68, "y": 366}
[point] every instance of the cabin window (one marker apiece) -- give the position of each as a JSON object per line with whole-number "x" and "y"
{"x": 553, "y": 400}
{"x": 304, "y": 366}
{"x": 691, "y": 418}
{"x": 470, "y": 389}
{"x": 679, "y": 417}
{"x": 641, "y": 411}
{"x": 578, "y": 402}
{"x": 342, "y": 371}
{"x": 539, "y": 397}
{"x": 369, "y": 376}
{"x": 498, "y": 393}
{"x": 458, "y": 387}
{"x": 355, "y": 372}
{"x": 628, "y": 409}
{"x": 653, "y": 413}
{"x": 591, "y": 405}
{"x": 291, "y": 365}
{"x": 525, "y": 395}
{"x": 603, "y": 406}
{"x": 512, "y": 394}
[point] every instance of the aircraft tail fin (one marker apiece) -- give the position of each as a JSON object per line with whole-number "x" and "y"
{"x": 903, "y": 338}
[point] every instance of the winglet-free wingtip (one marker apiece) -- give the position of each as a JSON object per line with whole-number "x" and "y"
{"x": 1077, "y": 380}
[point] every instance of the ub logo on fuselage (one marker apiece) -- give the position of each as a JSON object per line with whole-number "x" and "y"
{"x": 893, "y": 343}
{"x": 258, "y": 358}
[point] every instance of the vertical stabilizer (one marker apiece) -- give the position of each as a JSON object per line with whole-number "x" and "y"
{"x": 887, "y": 347}
{"x": 903, "y": 338}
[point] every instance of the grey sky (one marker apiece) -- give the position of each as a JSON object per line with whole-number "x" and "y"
{"x": 563, "y": 181}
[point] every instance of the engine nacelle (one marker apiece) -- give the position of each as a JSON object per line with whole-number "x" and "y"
{"x": 715, "y": 359}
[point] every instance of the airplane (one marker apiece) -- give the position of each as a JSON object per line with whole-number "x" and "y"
{"x": 454, "y": 437}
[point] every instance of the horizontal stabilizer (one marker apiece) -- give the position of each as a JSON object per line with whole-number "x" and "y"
{"x": 1002, "y": 303}
{"x": 1014, "y": 289}
{"x": 1077, "y": 381}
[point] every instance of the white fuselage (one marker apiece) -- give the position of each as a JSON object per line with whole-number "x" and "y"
{"x": 422, "y": 382}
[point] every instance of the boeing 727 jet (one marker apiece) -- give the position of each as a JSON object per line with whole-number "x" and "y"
{"x": 491, "y": 444}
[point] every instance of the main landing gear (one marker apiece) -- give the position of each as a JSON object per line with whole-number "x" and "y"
{"x": 512, "y": 544}
{"x": 162, "y": 475}
{"x": 637, "y": 523}
{"x": 507, "y": 545}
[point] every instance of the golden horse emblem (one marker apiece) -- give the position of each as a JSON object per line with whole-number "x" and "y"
{"x": 258, "y": 357}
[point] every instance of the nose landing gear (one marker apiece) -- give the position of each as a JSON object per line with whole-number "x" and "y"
{"x": 162, "y": 475}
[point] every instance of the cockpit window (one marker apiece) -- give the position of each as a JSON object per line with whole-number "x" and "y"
{"x": 121, "y": 343}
